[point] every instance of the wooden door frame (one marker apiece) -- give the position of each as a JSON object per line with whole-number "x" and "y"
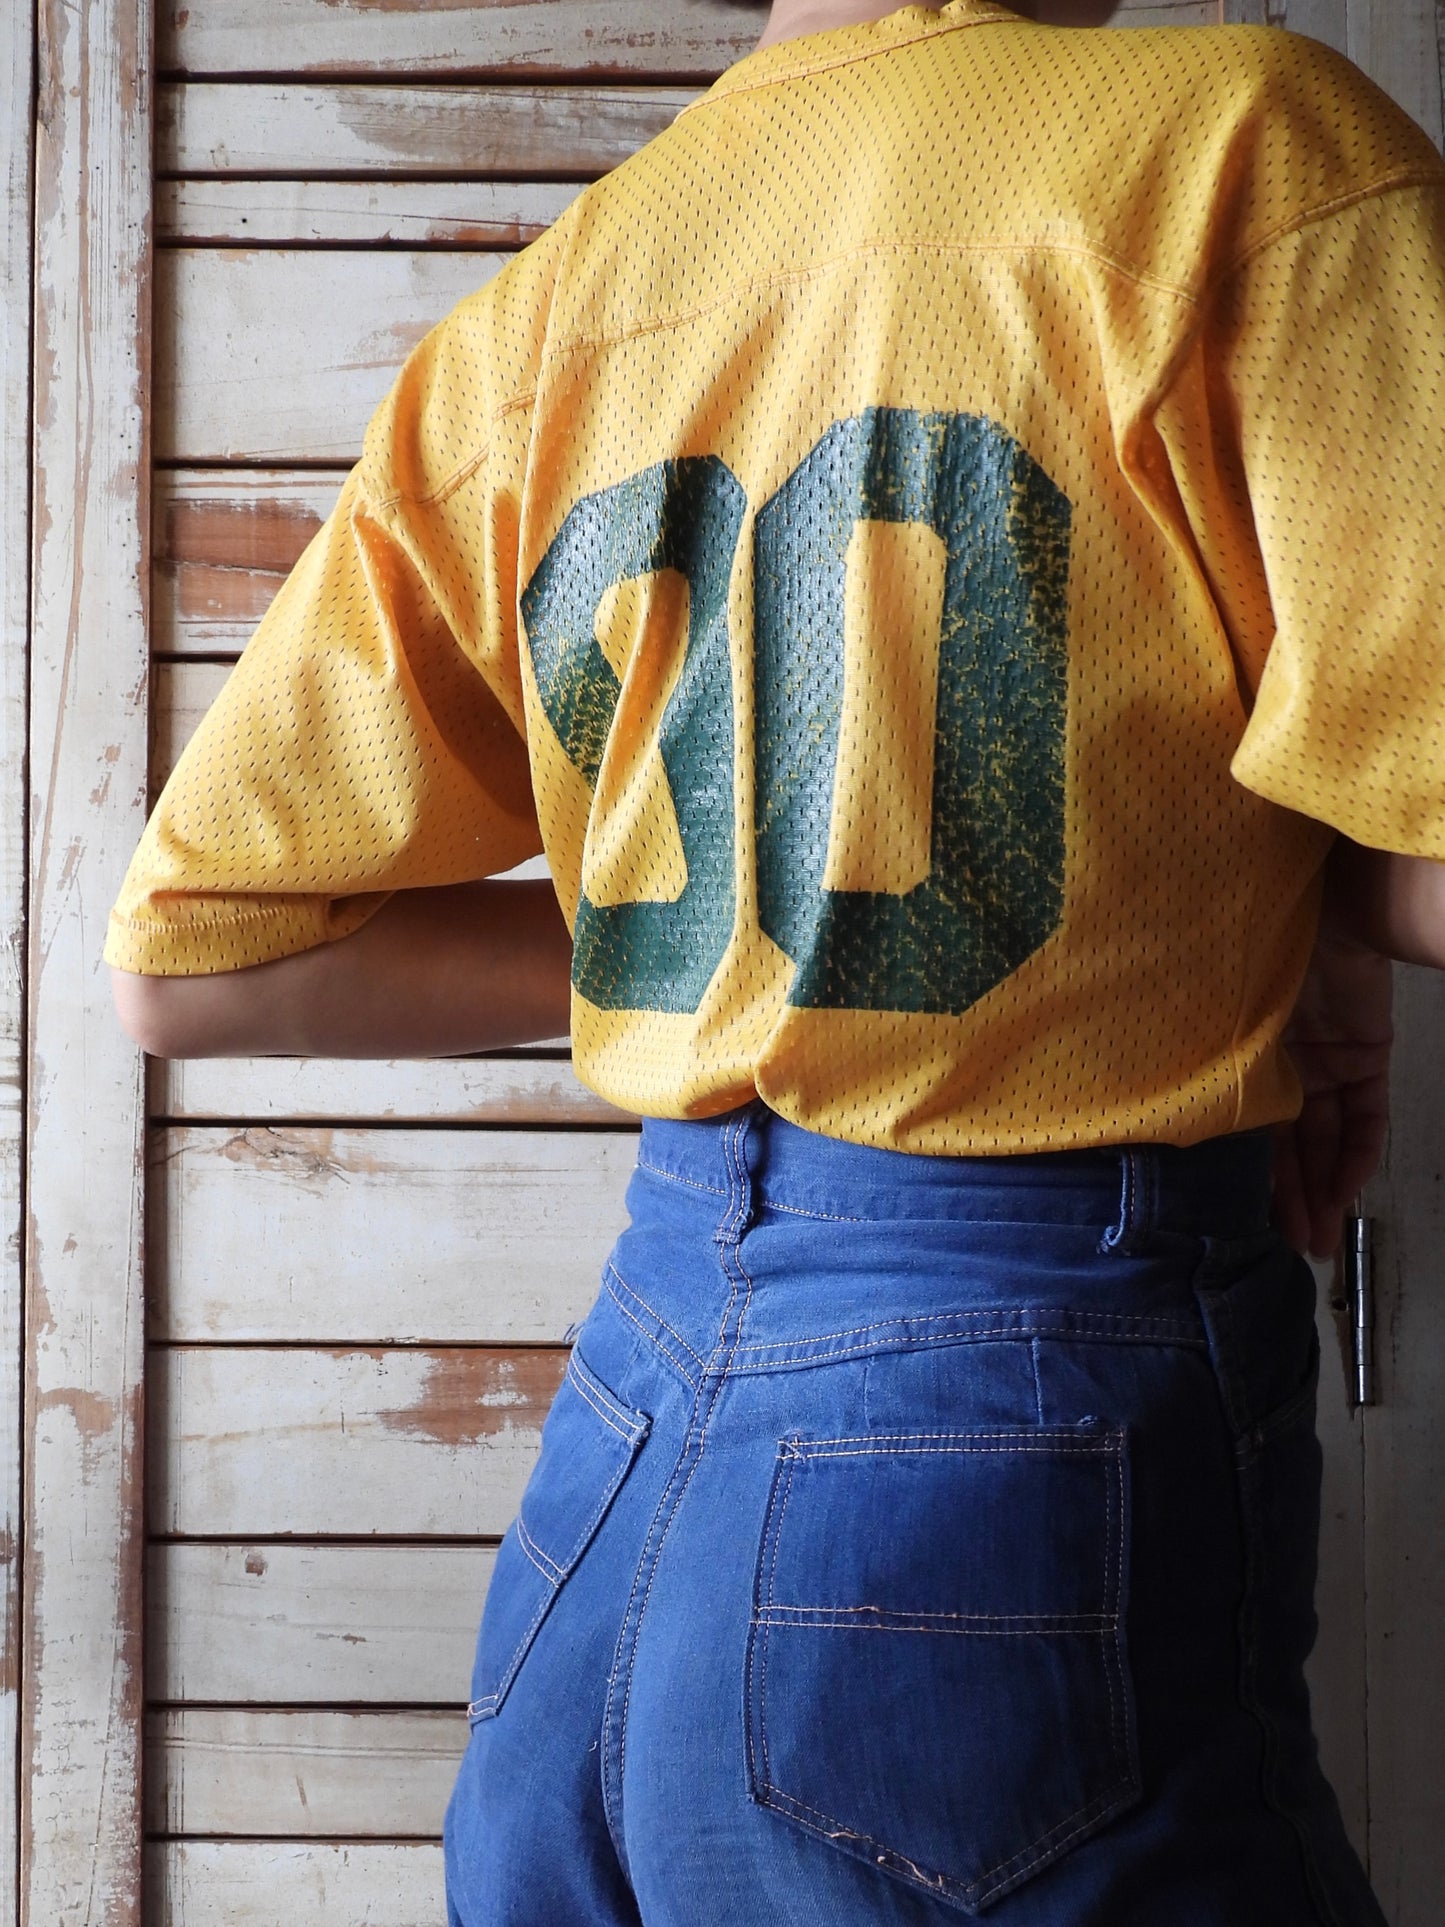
{"x": 81, "y": 1685}
{"x": 17, "y": 73}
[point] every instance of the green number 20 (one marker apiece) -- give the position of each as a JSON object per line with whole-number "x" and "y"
{"x": 995, "y": 886}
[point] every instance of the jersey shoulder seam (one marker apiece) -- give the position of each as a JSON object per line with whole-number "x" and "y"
{"x": 797, "y": 277}
{"x": 454, "y": 478}
{"x": 1401, "y": 181}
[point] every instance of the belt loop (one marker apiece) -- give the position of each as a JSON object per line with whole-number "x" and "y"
{"x": 1138, "y": 1203}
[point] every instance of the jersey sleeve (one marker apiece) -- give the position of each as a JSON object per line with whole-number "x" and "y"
{"x": 372, "y": 736}
{"x": 1335, "y": 374}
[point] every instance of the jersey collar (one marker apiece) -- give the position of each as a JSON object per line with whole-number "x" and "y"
{"x": 839, "y": 46}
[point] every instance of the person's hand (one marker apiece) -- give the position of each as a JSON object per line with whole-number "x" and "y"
{"x": 1339, "y": 1039}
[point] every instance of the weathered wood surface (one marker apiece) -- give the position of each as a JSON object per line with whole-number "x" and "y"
{"x": 605, "y": 38}
{"x": 399, "y": 1442}
{"x": 257, "y": 1883}
{"x": 621, "y": 38}
{"x": 1320, "y": 19}
{"x": 508, "y": 1090}
{"x": 340, "y": 1625}
{"x": 279, "y": 356}
{"x": 313, "y": 129}
{"x": 457, "y": 214}
{"x": 1405, "y": 1479}
{"x": 1401, "y": 44}
{"x": 223, "y": 542}
{"x": 16, "y": 74}
{"x": 84, "y": 1304}
{"x": 300, "y": 1775}
{"x": 307, "y": 1233}
{"x": 1398, "y": 43}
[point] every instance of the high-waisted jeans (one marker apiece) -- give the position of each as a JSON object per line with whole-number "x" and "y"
{"x": 915, "y": 1538}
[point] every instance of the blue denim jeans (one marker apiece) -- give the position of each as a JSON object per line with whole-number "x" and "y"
{"x": 913, "y": 1538}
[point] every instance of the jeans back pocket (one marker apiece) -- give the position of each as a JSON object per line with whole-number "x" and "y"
{"x": 589, "y": 1442}
{"x": 937, "y": 1680}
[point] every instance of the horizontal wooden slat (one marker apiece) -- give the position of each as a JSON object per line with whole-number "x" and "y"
{"x": 223, "y": 542}
{"x": 463, "y": 1090}
{"x": 299, "y": 1624}
{"x": 487, "y": 214}
{"x": 335, "y": 323}
{"x": 378, "y": 1237}
{"x": 354, "y": 1776}
{"x": 623, "y": 37}
{"x": 312, "y": 129}
{"x": 407, "y": 1442}
{"x": 234, "y": 1883}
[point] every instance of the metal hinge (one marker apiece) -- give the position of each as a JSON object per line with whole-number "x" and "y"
{"x": 1358, "y": 1308}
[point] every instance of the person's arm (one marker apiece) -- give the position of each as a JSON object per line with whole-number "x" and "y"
{"x": 1376, "y": 907}
{"x": 435, "y": 972}
{"x": 1392, "y": 904}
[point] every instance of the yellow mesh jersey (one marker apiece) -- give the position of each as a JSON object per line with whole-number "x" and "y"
{"x": 931, "y": 548}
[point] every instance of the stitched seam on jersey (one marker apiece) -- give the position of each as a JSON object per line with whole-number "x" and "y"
{"x": 463, "y": 472}
{"x": 205, "y": 920}
{"x": 1399, "y": 183}
{"x": 867, "y": 250}
{"x": 808, "y": 69}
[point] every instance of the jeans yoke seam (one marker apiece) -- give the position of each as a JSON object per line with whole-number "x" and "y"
{"x": 651, "y": 1338}
{"x": 865, "y": 1619}
{"x": 823, "y": 1217}
{"x": 801, "y": 1357}
{"x": 1023, "y": 1323}
{"x": 881, "y": 1444}
{"x": 632, "y": 1292}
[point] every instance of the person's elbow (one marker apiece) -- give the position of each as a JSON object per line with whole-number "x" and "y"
{"x": 161, "y": 1014}
{"x": 1395, "y": 904}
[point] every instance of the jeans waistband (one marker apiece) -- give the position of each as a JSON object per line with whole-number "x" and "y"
{"x": 1219, "y": 1188}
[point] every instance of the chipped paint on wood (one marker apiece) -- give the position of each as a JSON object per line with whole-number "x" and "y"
{"x": 227, "y": 320}
{"x": 296, "y": 129}
{"x": 16, "y": 75}
{"x": 224, "y": 544}
{"x": 350, "y": 1442}
{"x": 255, "y": 1883}
{"x": 469, "y": 214}
{"x": 513, "y": 1088}
{"x": 444, "y": 1236}
{"x": 466, "y": 1397}
{"x": 80, "y": 1858}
